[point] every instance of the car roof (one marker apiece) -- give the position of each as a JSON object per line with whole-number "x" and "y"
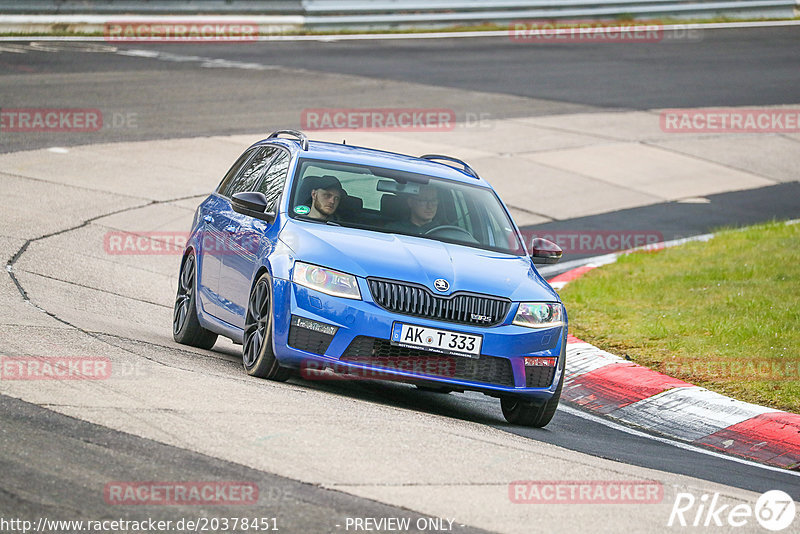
{"x": 379, "y": 158}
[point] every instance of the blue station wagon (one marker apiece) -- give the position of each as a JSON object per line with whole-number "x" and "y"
{"x": 332, "y": 260}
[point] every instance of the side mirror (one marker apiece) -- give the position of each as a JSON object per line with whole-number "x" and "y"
{"x": 252, "y": 204}
{"x": 545, "y": 251}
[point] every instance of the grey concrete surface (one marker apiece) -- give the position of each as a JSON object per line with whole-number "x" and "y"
{"x": 119, "y": 306}
{"x": 32, "y": 436}
{"x": 450, "y": 456}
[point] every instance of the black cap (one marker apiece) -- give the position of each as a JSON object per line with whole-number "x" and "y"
{"x": 328, "y": 182}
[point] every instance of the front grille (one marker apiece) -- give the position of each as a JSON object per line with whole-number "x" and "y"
{"x": 309, "y": 340}
{"x": 464, "y": 308}
{"x": 539, "y": 376}
{"x": 381, "y": 353}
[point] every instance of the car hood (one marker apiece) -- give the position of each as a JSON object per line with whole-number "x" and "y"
{"x": 414, "y": 259}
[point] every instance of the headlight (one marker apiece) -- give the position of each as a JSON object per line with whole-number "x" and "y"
{"x": 326, "y": 280}
{"x": 539, "y": 315}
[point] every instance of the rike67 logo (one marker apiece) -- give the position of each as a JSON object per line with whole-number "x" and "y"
{"x": 774, "y": 510}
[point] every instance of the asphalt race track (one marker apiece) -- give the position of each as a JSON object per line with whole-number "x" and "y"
{"x": 188, "y": 90}
{"x": 174, "y": 117}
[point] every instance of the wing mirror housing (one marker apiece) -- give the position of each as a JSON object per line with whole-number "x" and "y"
{"x": 544, "y": 251}
{"x": 252, "y": 204}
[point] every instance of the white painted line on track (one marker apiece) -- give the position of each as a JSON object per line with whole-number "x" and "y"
{"x": 205, "y": 62}
{"x": 427, "y": 35}
{"x": 689, "y": 413}
{"x": 583, "y": 358}
{"x": 679, "y": 444}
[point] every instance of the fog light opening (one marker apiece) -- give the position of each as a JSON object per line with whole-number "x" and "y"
{"x": 314, "y": 326}
{"x": 539, "y": 361}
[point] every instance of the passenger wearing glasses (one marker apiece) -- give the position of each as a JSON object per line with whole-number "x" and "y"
{"x": 422, "y": 210}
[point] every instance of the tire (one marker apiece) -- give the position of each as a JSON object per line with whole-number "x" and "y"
{"x": 258, "y": 357}
{"x": 186, "y": 327}
{"x": 433, "y": 389}
{"x": 526, "y": 413}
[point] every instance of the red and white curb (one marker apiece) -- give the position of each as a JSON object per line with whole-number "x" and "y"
{"x": 605, "y": 384}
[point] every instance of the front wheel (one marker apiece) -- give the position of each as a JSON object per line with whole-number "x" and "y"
{"x": 521, "y": 412}
{"x": 433, "y": 389}
{"x": 257, "y": 354}
{"x": 526, "y": 413}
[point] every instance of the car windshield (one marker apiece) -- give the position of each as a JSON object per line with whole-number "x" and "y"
{"x": 394, "y": 201}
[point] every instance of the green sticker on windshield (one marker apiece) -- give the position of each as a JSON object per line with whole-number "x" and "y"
{"x": 302, "y": 210}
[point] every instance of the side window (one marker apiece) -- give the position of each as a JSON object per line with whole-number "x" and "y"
{"x": 234, "y": 170}
{"x": 248, "y": 175}
{"x": 275, "y": 177}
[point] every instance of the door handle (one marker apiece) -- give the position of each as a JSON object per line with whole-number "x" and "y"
{"x": 231, "y": 228}
{"x": 208, "y": 218}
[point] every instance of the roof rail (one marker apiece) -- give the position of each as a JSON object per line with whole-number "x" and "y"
{"x": 299, "y": 135}
{"x": 466, "y": 168}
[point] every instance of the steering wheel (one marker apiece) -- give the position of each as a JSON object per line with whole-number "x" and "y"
{"x": 449, "y": 227}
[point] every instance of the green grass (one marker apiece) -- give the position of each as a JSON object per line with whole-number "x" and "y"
{"x": 724, "y": 314}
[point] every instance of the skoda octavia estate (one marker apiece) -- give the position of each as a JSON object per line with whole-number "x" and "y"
{"x": 336, "y": 260}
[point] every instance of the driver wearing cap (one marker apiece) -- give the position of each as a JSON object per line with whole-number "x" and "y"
{"x": 325, "y": 198}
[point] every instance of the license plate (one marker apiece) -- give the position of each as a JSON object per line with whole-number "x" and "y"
{"x": 435, "y": 340}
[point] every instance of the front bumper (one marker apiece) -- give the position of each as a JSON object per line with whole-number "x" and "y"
{"x": 360, "y": 345}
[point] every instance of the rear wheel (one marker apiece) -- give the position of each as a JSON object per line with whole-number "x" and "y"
{"x": 186, "y": 327}
{"x": 257, "y": 354}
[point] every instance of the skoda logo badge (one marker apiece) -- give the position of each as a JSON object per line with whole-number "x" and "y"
{"x": 441, "y": 284}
